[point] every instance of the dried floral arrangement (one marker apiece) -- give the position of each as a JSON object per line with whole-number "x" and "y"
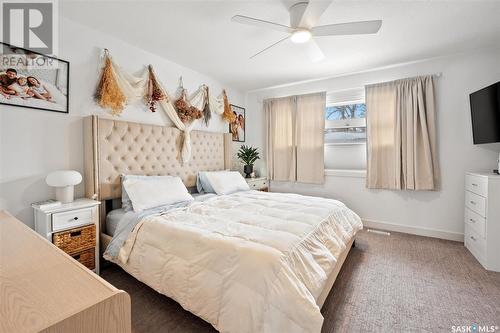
{"x": 207, "y": 113}
{"x": 228, "y": 115}
{"x": 155, "y": 94}
{"x": 108, "y": 94}
{"x": 113, "y": 87}
{"x": 186, "y": 112}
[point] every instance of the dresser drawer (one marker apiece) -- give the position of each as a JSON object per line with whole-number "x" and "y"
{"x": 476, "y": 203}
{"x": 477, "y": 184}
{"x": 476, "y": 222}
{"x": 258, "y": 184}
{"x": 71, "y": 219}
{"x": 86, "y": 258}
{"x": 75, "y": 240}
{"x": 475, "y": 243}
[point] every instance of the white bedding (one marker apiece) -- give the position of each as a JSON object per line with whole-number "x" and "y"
{"x": 246, "y": 262}
{"x": 113, "y": 220}
{"x": 114, "y": 217}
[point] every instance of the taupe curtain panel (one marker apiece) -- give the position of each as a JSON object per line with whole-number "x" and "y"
{"x": 295, "y": 138}
{"x": 401, "y": 131}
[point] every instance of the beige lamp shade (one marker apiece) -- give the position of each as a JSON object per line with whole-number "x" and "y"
{"x": 64, "y": 182}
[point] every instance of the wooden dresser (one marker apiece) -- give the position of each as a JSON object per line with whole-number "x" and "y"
{"x": 42, "y": 289}
{"x": 482, "y": 218}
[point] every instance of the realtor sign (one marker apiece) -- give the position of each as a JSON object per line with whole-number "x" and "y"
{"x": 30, "y": 25}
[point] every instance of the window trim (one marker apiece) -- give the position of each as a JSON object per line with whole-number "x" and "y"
{"x": 344, "y": 143}
{"x": 357, "y": 101}
{"x": 350, "y": 173}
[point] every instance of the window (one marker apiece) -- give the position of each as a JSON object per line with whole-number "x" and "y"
{"x": 345, "y": 123}
{"x": 345, "y": 130}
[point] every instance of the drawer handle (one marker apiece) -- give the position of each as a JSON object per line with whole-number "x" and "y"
{"x": 473, "y": 238}
{"x": 472, "y": 202}
{"x": 474, "y": 184}
{"x": 75, "y": 218}
{"x": 472, "y": 220}
{"x": 75, "y": 233}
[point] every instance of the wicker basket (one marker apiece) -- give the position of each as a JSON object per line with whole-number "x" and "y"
{"x": 75, "y": 240}
{"x": 86, "y": 258}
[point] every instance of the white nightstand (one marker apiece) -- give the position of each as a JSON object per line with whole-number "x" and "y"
{"x": 258, "y": 183}
{"x": 72, "y": 227}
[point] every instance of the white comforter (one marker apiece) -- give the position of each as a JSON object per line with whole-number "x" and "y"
{"x": 247, "y": 262}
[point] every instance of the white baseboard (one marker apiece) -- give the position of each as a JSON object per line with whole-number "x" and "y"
{"x": 454, "y": 236}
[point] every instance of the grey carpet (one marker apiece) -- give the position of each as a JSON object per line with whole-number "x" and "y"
{"x": 397, "y": 283}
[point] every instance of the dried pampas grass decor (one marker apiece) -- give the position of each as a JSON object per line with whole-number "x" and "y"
{"x": 207, "y": 113}
{"x": 228, "y": 115}
{"x": 108, "y": 94}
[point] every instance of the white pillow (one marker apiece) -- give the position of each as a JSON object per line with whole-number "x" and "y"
{"x": 202, "y": 184}
{"x": 227, "y": 182}
{"x": 126, "y": 202}
{"x": 146, "y": 194}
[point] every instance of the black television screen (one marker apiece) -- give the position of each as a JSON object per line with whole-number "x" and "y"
{"x": 485, "y": 111}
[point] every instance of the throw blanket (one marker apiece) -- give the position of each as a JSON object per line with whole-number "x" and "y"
{"x": 246, "y": 262}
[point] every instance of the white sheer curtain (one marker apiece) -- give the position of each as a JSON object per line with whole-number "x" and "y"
{"x": 295, "y": 138}
{"x": 401, "y": 130}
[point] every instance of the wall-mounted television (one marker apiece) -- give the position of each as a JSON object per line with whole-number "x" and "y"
{"x": 485, "y": 112}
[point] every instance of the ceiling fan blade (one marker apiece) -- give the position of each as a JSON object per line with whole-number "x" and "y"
{"x": 313, "y": 12}
{"x": 351, "y": 28}
{"x": 261, "y": 23}
{"x": 267, "y": 48}
{"x": 313, "y": 51}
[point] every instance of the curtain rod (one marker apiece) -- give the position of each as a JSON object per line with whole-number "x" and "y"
{"x": 436, "y": 75}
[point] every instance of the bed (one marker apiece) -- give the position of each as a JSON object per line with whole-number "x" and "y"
{"x": 245, "y": 262}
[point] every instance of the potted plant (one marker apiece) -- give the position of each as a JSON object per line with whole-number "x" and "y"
{"x": 248, "y": 155}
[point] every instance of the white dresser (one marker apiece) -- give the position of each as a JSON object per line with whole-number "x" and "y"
{"x": 482, "y": 218}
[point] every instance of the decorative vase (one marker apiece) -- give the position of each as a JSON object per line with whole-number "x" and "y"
{"x": 248, "y": 169}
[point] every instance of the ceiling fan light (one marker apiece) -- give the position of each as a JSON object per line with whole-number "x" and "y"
{"x": 300, "y": 36}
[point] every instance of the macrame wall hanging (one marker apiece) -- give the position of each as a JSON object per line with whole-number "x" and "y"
{"x": 116, "y": 89}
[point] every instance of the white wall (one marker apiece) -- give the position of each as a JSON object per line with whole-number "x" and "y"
{"x": 34, "y": 143}
{"x": 350, "y": 157}
{"x": 438, "y": 213}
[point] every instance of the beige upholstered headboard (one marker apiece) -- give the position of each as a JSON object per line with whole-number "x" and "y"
{"x": 113, "y": 148}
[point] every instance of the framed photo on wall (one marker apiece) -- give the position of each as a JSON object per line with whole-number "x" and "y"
{"x": 237, "y": 127}
{"x": 33, "y": 80}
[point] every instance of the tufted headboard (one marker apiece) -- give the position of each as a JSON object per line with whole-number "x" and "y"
{"x": 113, "y": 148}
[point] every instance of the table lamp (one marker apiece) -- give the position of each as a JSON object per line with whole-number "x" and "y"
{"x": 64, "y": 181}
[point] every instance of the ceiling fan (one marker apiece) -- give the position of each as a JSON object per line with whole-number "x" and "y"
{"x": 303, "y": 17}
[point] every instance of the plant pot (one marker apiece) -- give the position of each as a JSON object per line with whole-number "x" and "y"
{"x": 248, "y": 169}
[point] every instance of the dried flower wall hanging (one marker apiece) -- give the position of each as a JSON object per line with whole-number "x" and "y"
{"x": 155, "y": 94}
{"x": 228, "y": 115}
{"x": 207, "y": 113}
{"x": 108, "y": 94}
{"x": 186, "y": 112}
